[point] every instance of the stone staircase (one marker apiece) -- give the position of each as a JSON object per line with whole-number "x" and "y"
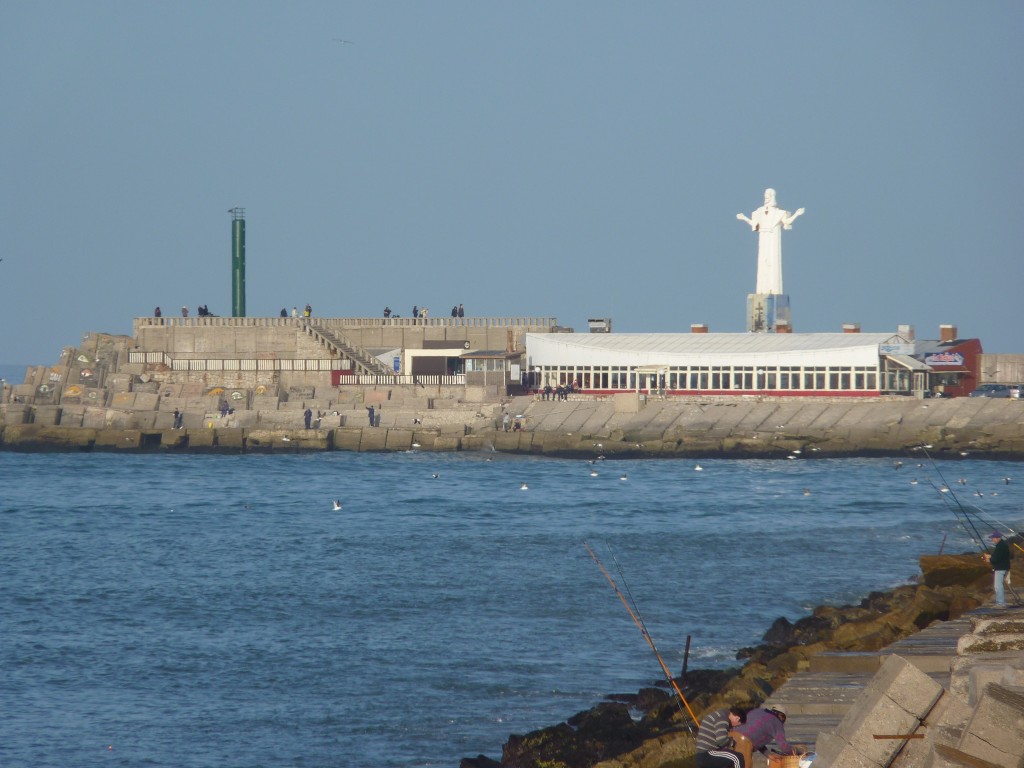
{"x": 363, "y": 361}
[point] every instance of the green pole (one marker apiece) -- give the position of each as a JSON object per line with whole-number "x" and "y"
{"x": 237, "y": 262}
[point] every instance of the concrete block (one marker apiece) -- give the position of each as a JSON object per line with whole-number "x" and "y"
{"x": 71, "y": 416}
{"x": 399, "y": 439}
{"x": 347, "y": 438}
{"x": 834, "y": 752}
{"x": 123, "y": 400}
{"x": 900, "y": 680}
{"x": 448, "y": 443}
{"x": 200, "y": 439}
{"x": 970, "y": 674}
{"x": 373, "y": 439}
{"x": 230, "y": 439}
{"x": 146, "y": 401}
{"x": 990, "y": 643}
{"x": 896, "y": 700}
{"x": 996, "y": 729}
{"x": 118, "y": 439}
{"x": 48, "y": 415}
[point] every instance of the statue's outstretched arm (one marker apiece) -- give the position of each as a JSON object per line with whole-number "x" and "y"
{"x": 741, "y": 217}
{"x": 787, "y": 222}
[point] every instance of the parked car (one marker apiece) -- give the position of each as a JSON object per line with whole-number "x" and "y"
{"x": 994, "y": 390}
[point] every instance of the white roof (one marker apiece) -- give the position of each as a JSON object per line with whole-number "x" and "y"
{"x": 678, "y": 349}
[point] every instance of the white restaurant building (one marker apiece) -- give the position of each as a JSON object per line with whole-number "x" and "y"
{"x": 778, "y": 364}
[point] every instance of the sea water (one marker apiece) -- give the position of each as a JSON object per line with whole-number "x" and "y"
{"x": 183, "y": 610}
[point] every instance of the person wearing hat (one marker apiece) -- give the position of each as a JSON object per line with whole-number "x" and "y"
{"x": 715, "y": 744}
{"x": 999, "y": 559}
{"x": 765, "y": 726}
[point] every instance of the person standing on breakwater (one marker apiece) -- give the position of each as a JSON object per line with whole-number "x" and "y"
{"x": 369, "y": 412}
{"x": 714, "y": 741}
{"x": 999, "y": 559}
{"x": 156, "y": 312}
{"x": 765, "y": 726}
{"x": 308, "y": 417}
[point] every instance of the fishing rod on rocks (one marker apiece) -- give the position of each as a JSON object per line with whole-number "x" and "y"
{"x": 966, "y": 514}
{"x": 638, "y": 620}
{"x": 947, "y": 490}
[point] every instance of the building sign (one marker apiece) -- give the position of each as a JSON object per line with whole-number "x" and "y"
{"x": 896, "y": 349}
{"x": 396, "y": 362}
{"x": 944, "y": 358}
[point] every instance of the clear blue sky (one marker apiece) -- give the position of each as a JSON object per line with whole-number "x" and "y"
{"x": 567, "y": 159}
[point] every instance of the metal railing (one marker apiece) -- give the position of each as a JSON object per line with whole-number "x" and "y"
{"x": 346, "y": 322}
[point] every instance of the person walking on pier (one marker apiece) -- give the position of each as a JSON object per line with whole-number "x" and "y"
{"x": 999, "y": 559}
{"x": 714, "y": 744}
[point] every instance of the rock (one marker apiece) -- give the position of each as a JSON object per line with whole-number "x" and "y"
{"x": 480, "y": 761}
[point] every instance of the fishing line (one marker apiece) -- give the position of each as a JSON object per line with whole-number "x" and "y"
{"x": 643, "y": 630}
{"x": 978, "y": 538}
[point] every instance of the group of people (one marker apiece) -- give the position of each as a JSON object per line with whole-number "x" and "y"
{"x": 307, "y": 312}
{"x": 561, "y": 392}
{"x": 203, "y": 311}
{"x": 727, "y": 738}
{"x": 422, "y": 312}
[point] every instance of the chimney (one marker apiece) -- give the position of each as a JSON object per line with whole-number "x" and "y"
{"x": 698, "y": 328}
{"x": 906, "y": 331}
{"x": 851, "y": 327}
{"x": 947, "y": 333}
{"x": 783, "y": 326}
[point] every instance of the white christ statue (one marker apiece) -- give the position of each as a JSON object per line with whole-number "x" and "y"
{"x": 768, "y": 221}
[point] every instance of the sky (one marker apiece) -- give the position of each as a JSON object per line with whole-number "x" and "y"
{"x": 562, "y": 159}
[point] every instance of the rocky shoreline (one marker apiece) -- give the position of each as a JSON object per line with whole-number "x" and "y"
{"x": 649, "y": 729}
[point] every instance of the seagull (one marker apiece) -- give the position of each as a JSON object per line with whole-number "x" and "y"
{"x": 807, "y": 491}
{"x": 343, "y": 42}
{"x": 962, "y": 481}
{"x": 944, "y": 489}
{"x": 435, "y": 475}
{"x": 791, "y": 456}
{"x": 623, "y": 477}
{"x": 593, "y": 473}
{"x": 698, "y": 468}
{"x": 1006, "y": 480}
{"x": 524, "y": 487}
{"x": 979, "y": 493}
{"x": 415, "y": 445}
{"x": 897, "y": 464}
{"x": 286, "y": 439}
{"x": 914, "y": 481}
{"x": 488, "y": 459}
{"x": 336, "y": 505}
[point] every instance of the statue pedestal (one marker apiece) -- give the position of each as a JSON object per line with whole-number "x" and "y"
{"x": 766, "y": 312}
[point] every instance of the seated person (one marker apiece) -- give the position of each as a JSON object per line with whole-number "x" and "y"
{"x": 714, "y": 743}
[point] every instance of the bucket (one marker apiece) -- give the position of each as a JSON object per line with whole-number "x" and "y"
{"x": 783, "y": 761}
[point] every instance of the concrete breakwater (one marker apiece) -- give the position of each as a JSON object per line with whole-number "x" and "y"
{"x": 925, "y": 675}
{"x": 620, "y": 426}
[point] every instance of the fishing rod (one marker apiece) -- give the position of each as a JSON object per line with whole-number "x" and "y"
{"x": 978, "y": 538}
{"x": 638, "y": 620}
